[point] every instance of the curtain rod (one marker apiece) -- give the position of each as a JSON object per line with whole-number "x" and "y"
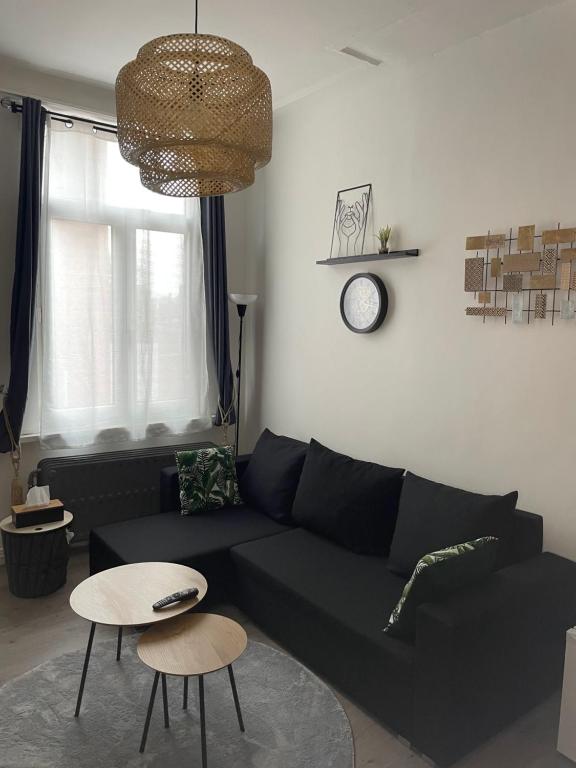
{"x": 68, "y": 120}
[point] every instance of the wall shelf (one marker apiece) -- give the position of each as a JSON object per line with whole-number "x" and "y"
{"x": 371, "y": 257}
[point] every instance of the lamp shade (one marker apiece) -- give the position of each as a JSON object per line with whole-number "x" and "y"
{"x": 195, "y": 115}
{"x": 243, "y": 298}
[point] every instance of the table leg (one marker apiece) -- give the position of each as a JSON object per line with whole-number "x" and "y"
{"x": 202, "y": 721}
{"x": 119, "y": 645}
{"x": 149, "y": 713}
{"x": 236, "y": 699}
{"x": 85, "y": 669}
{"x": 185, "y": 695}
{"x": 165, "y": 700}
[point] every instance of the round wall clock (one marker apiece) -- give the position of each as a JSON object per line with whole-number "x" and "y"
{"x": 364, "y": 303}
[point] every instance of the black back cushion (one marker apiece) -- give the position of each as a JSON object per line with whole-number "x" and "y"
{"x": 270, "y": 480}
{"x": 433, "y": 516}
{"x": 354, "y": 503}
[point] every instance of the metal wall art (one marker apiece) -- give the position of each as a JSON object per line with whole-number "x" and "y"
{"x": 350, "y": 221}
{"x": 527, "y": 277}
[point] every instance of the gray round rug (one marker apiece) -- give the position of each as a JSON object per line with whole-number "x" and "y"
{"x": 292, "y": 719}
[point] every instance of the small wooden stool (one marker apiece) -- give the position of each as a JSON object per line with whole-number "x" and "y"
{"x": 191, "y": 645}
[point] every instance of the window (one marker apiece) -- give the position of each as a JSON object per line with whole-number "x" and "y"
{"x": 121, "y": 321}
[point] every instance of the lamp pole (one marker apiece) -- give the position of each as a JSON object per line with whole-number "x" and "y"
{"x": 241, "y": 300}
{"x": 241, "y": 312}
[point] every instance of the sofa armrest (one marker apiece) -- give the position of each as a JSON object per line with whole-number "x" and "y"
{"x": 489, "y": 653}
{"x": 170, "y": 488}
{"x": 527, "y": 535}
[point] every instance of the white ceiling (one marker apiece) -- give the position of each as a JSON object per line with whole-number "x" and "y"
{"x": 292, "y": 40}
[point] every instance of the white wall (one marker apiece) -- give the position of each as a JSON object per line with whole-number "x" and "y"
{"x": 245, "y": 253}
{"x": 481, "y": 136}
{"x": 19, "y": 78}
{"x": 96, "y": 100}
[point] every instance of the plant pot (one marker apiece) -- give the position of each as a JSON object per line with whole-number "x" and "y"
{"x": 383, "y": 249}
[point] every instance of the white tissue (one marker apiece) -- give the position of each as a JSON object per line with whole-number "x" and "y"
{"x": 38, "y": 494}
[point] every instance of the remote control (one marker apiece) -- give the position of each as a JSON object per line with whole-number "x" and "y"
{"x": 185, "y": 594}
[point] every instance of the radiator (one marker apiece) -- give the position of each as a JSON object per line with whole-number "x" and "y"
{"x": 108, "y": 487}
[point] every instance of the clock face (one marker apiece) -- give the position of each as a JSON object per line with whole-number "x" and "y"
{"x": 363, "y": 303}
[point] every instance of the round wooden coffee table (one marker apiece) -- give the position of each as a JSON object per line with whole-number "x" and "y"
{"x": 123, "y": 597}
{"x": 192, "y": 645}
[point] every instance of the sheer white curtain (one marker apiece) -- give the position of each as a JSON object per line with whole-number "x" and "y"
{"x": 122, "y": 336}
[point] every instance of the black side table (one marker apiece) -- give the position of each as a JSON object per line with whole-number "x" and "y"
{"x": 36, "y": 556}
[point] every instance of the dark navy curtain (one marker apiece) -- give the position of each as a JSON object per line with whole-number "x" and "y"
{"x": 25, "y": 270}
{"x": 216, "y": 283}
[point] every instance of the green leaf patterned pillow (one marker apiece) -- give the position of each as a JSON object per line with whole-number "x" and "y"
{"x": 439, "y": 574}
{"x": 207, "y": 478}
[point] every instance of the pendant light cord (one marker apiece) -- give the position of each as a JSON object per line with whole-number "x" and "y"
{"x": 196, "y": 20}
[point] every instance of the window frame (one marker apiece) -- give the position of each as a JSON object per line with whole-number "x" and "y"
{"x": 124, "y": 224}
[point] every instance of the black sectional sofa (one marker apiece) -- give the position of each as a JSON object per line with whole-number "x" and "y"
{"x": 480, "y": 657}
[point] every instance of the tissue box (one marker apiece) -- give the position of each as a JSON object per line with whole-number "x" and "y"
{"x": 24, "y": 515}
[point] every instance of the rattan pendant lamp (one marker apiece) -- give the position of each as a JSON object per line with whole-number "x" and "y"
{"x": 194, "y": 114}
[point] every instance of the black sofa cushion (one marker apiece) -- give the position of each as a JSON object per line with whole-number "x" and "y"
{"x": 433, "y": 516}
{"x": 328, "y": 605}
{"x": 438, "y": 575}
{"x": 356, "y": 590}
{"x": 200, "y": 541}
{"x": 270, "y": 480}
{"x": 354, "y": 503}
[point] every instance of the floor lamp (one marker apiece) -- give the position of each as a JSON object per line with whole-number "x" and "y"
{"x": 241, "y": 300}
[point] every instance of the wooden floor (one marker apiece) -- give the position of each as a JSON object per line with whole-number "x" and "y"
{"x": 32, "y": 631}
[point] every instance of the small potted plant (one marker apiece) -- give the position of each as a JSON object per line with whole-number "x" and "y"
{"x": 383, "y": 237}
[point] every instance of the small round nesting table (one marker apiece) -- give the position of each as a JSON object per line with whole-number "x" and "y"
{"x": 123, "y": 597}
{"x": 192, "y": 646}
{"x": 36, "y": 556}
